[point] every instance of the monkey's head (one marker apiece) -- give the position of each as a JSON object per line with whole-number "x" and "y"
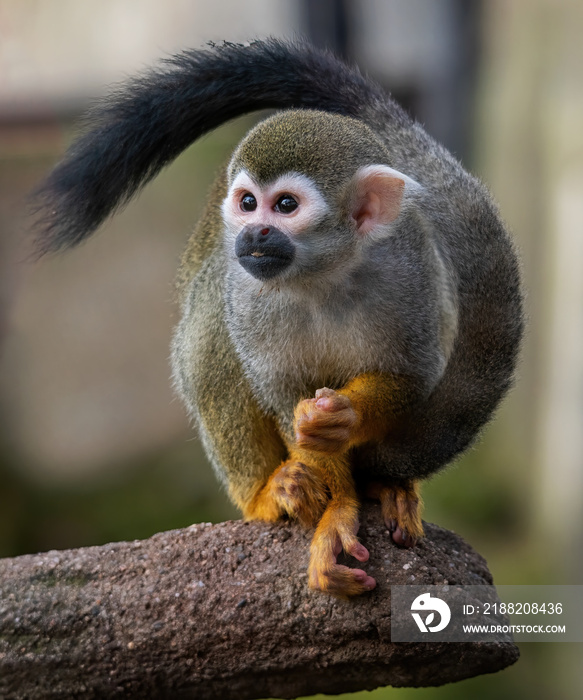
{"x": 308, "y": 191}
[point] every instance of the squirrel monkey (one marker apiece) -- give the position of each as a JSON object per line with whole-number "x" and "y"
{"x": 351, "y": 304}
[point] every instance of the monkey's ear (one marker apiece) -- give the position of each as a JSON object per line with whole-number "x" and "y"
{"x": 376, "y": 196}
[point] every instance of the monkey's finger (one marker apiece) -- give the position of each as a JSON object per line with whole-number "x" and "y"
{"x": 304, "y": 406}
{"x": 328, "y": 404}
{"x": 409, "y": 518}
{"x": 332, "y": 402}
{"x": 315, "y": 419}
{"x": 324, "y": 392}
{"x": 336, "y": 531}
{"x": 320, "y": 443}
{"x": 324, "y": 429}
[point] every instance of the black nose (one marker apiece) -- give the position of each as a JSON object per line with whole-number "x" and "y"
{"x": 264, "y": 251}
{"x": 256, "y": 235}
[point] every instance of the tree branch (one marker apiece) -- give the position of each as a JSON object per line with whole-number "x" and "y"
{"x": 223, "y": 611}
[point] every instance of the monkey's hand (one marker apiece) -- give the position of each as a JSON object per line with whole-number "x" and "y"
{"x": 294, "y": 490}
{"x": 325, "y": 423}
{"x": 299, "y": 492}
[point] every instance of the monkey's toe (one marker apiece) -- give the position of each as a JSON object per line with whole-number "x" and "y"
{"x": 340, "y": 580}
{"x": 402, "y": 538}
{"x": 401, "y": 508}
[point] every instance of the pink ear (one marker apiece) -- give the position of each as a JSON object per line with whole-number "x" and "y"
{"x": 377, "y": 195}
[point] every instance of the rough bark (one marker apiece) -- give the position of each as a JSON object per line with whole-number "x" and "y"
{"x": 223, "y": 611}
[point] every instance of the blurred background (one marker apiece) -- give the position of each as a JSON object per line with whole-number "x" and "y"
{"x": 94, "y": 446}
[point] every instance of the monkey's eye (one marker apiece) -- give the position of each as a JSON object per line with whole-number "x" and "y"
{"x": 286, "y": 204}
{"x": 248, "y": 202}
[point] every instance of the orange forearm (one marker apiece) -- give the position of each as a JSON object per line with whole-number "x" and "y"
{"x": 380, "y": 401}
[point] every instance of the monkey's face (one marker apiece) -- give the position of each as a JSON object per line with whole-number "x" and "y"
{"x": 274, "y": 227}
{"x": 289, "y": 229}
{"x": 308, "y": 194}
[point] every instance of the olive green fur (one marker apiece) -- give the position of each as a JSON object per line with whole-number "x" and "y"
{"x": 242, "y": 442}
{"x": 302, "y": 141}
{"x": 448, "y": 247}
{"x": 206, "y": 236}
{"x": 430, "y": 291}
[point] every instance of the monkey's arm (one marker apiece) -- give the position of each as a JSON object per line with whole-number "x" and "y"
{"x": 364, "y": 410}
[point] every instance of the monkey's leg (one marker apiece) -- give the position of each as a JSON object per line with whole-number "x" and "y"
{"x": 244, "y": 444}
{"x": 336, "y": 530}
{"x": 263, "y": 482}
{"x": 401, "y": 505}
{"x": 248, "y": 451}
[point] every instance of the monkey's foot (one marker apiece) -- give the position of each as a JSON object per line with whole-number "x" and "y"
{"x": 325, "y": 423}
{"x": 336, "y": 532}
{"x": 401, "y": 507}
{"x": 299, "y": 492}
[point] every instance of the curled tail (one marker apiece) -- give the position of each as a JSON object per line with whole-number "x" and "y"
{"x": 148, "y": 122}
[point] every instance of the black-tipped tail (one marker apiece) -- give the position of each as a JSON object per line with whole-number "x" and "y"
{"x": 147, "y": 123}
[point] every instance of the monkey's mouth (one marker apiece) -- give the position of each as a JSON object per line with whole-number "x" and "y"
{"x": 264, "y": 256}
{"x": 264, "y": 266}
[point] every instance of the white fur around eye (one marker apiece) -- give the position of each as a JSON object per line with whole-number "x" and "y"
{"x": 233, "y": 216}
{"x": 311, "y": 203}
